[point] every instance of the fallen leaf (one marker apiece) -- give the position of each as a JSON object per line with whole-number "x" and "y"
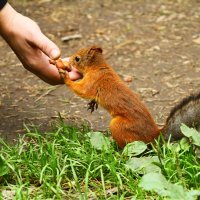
{"x": 197, "y": 40}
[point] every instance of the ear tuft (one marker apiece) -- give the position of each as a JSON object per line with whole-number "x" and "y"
{"x": 95, "y": 49}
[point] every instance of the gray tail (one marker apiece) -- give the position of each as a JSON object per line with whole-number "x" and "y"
{"x": 187, "y": 112}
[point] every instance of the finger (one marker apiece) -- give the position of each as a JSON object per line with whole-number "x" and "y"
{"x": 42, "y": 68}
{"x": 50, "y": 75}
{"x": 73, "y": 75}
{"x": 46, "y": 45}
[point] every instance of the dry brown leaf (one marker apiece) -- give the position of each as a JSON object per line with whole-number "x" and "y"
{"x": 197, "y": 40}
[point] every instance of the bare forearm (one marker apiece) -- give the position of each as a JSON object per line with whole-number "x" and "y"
{"x": 30, "y": 45}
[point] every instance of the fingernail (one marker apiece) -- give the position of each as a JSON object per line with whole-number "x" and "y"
{"x": 55, "y": 53}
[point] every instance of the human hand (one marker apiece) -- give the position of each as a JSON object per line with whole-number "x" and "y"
{"x": 30, "y": 45}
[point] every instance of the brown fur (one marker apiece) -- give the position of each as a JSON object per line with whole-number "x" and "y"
{"x": 131, "y": 120}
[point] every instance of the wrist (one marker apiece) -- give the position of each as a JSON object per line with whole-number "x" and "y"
{"x": 7, "y": 15}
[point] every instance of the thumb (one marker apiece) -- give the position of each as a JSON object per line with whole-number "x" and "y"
{"x": 46, "y": 46}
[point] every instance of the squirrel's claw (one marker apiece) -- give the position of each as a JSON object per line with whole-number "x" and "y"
{"x": 63, "y": 67}
{"x": 92, "y": 105}
{"x": 62, "y": 73}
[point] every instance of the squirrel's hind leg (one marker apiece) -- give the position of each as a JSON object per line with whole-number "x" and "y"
{"x": 121, "y": 131}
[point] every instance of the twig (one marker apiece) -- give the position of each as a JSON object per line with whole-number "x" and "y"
{"x": 46, "y": 93}
{"x": 71, "y": 37}
{"x": 127, "y": 42}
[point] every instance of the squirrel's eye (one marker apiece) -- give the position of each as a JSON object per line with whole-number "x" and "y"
{"x": 77, "y": 59}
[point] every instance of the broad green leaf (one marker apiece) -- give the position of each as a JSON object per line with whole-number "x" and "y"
{"x": 99, "y": 141}
{"x": 143, "y": 165}
{"x": 184, "y": 144}
{"x": 177, "y": 192}
{"x": 157, "y": 182}
{"x": 178, "y": 146}
{"x": 191, "y": 133}
{"x": 193, "y": 193}
{"x": 134, "y": 148}
{"x": 174, "y": 147}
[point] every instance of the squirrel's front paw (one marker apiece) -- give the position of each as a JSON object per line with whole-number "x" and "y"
{"x": 92, "y": 105}
{"x": 63, "y": 73}
{"x": 62, "y": 68}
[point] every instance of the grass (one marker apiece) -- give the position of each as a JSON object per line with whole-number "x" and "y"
{"x": 69, "y": 163}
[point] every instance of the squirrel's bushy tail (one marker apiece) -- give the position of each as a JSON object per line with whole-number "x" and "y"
{"x": 187, "y": 112}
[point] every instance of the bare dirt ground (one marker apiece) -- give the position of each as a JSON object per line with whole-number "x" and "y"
{"x": 156, "y": 43}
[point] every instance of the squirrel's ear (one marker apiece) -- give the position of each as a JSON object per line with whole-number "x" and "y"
{"x": 95, "y": 49}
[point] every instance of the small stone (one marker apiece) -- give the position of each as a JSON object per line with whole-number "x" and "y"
{"x": 128, "y": 78}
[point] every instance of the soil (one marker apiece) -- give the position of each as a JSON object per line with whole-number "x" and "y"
{"x": 153, "y": 45}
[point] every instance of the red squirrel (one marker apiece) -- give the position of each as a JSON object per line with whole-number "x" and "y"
{"x": 131, "y": 119}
